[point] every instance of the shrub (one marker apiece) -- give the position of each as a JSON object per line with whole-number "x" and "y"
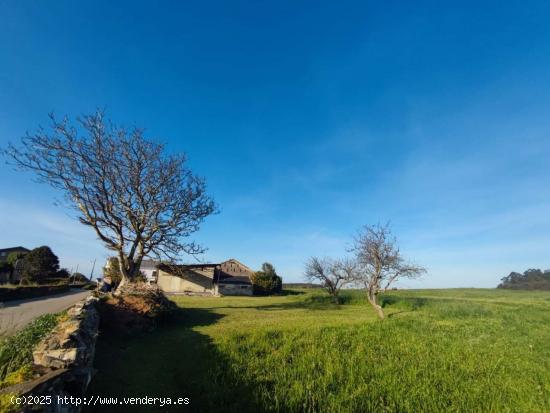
{"x": 267, "y": 281}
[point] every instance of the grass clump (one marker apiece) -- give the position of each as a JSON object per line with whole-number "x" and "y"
{"x": 16, "y": 350}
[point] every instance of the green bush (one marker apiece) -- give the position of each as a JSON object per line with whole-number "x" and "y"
{"x": 39, "y": 264}
{"x": 267, "y": 281}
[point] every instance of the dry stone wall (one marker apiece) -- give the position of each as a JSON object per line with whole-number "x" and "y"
{"x": 72, "y": 343}
{"x": 66, "y": 358}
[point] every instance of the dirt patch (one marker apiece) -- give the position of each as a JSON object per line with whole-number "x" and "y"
{"x": 136, "y": 309}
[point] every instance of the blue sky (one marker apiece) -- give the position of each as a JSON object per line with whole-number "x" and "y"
{"x": 308, "y": 119}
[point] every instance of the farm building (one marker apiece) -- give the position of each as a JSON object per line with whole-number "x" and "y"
{"x": 227, "y": 278}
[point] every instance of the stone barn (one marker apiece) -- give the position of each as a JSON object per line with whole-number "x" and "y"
{"x": 228, "y": 278}
{"x": 233, "y": 278}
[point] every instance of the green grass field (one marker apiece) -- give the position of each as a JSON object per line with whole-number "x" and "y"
{"x": 460, "y": 350}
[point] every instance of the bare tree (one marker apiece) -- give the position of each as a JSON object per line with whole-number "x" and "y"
{"x": 138, "y": 200}
{"x": 380, "y": 263}
{"x": 332, "y": 274}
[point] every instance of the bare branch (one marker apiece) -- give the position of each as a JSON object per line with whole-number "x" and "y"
{"x": 333, "y": 275}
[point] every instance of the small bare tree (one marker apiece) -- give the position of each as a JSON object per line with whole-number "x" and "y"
{"x": 332, "y": 274}
{"x": 380, "y": 263}
{"x": 138, "y": 200}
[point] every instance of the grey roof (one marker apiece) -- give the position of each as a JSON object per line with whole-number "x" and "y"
{"x": 220, "y": 276}
{"x": 14, "y": 249}
{"x": 183, "y": 267}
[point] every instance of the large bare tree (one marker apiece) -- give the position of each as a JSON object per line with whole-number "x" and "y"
{"x": 332, "y": 274}
{"x": 379, "y": 262}
{"x": 139, "y": 200}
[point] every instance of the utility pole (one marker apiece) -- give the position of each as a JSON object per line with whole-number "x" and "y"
{"x": 92, "y": 273}
{"x": 75, "y": 272}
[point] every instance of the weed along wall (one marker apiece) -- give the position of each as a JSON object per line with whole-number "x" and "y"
{"x": 64, "y": 359}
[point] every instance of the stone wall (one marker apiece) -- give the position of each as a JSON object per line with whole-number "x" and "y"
{"x": 31, "y": 291}
{"x": 65, "y": 357}
{"x": 72, "y": 343}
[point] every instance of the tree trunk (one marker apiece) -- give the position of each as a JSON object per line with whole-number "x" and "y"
{"x": 124, "y": 273}
{"x": 372, "y": 300}
{"x": 129, "y": 269}
{"x": 120, "y": 285}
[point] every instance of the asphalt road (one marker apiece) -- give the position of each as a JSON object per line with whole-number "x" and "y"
{"x": 15, "y": 315}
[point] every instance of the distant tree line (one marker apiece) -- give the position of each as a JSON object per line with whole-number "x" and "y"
{"x": 532, "y": 279}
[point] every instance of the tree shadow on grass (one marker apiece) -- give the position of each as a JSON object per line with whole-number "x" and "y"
{"x": 173, "y": 361}
{"x": 403, "y": 305}
{"x": 304, "y": 305}
{"x": 315, "y": 302}
{"x": 390, "y": 315}
{"x": 326, "y": 302}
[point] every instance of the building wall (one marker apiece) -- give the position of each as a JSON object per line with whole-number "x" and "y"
{"x": 150, "y": 275}
{"x": 196, "y": 281}
{"x": 233, "y": 289}
{"x": 149, "y": 269}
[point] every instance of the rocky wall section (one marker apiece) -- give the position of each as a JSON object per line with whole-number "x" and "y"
{"x": 72, "y": 343}
{"x": 65, "y": 359}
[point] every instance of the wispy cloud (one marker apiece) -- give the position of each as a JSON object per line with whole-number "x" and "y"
{"x": 32, "y": 226}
